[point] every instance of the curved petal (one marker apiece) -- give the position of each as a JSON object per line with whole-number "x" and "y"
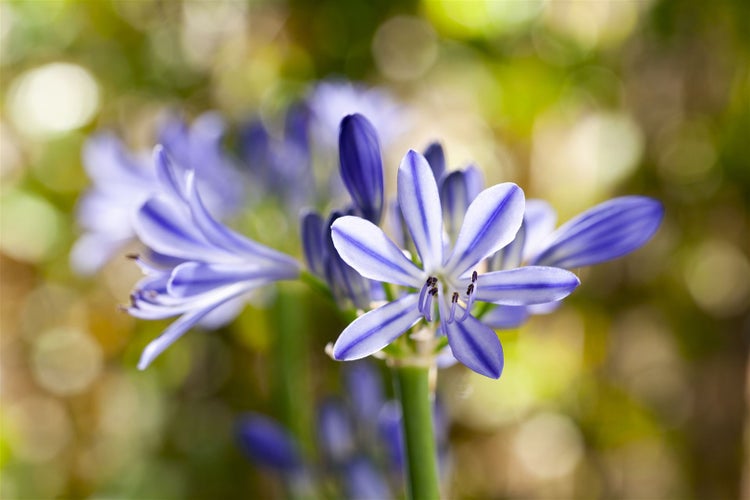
{"x": 171, "y": 178}
{"x": 604, "y": 232}
{"x": 506, "y": 317}
{"x": 491, "y": 222}
{"x": 475, "y": 345}
{"x": 420, "y": 205}
{"x": 195, "y": 278}
{"x": 526, "y": 285}
{"x": 226, "y": 239}
{"x": 367, "y": 249}
{"x": 455, "y": 199}
{"x": 362, "y": 165}
{"x": 376, "y": 329}
{"x": 165, "y": 227}
{"x": 174, "y": 332}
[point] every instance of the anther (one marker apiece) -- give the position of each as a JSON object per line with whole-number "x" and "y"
{"x": 470, "y": 289}
{"x": 474, "y": 277}
{"x": 133, "y": 256}
{"x": 429, "y": 284}
{"x": 454, "y": 299}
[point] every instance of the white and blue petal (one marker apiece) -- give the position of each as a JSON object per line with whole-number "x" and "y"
{"x": 176, "y": 330}
{"x": 376, "y": 329}
{"x": 491, "y": 222}
{"x": 526, "y": 285}
{"x": 476, "y": 345}
{"x": 604, "y": 232}
{"x": 367, "y": 249}
{"x": 420, "y": 204}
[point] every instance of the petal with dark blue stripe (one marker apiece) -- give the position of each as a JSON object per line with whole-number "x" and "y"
{"x": 475, "y": 345}
{"x": 491, "y": 222}
{"x": 313, "y": 242}
{"x": 376, "y": 329}
{"x": 604, "y": 232}
{"x": 526, "y": 285}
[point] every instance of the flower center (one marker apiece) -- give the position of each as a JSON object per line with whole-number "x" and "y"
{"x": 430, "y": 291}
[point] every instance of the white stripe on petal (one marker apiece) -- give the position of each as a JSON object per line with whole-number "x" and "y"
{"x": 420, "y": 205}
{"x": 367, "y": 249}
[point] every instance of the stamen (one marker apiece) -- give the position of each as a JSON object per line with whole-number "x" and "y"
{"x": 474, "y": 277}
{"x": 454, "y": 301}
{"x": 430, "y": 283}
{"x": 470, "y": 298}
{"x": 427, "y": 311}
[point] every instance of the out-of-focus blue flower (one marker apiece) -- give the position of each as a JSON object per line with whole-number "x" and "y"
{"x": 123, "y": 181}
{"x": 364, "y": 481}
{"x": 331, "y": 101}
{"x": 208, "y": 264}
{"x": 355, "y": 448}
{"x": 449, "y": 282}
{"x": 267, "y": 443}
{"x": 362, "y": 165}
{"x": 281, "y": 166}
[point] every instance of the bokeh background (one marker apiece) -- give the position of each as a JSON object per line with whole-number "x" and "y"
{"x": 636, "y": 388}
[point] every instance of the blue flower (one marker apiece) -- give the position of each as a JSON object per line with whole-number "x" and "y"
{"x": 123, "y": 181}
{"x": 331, "y": 101}
{"x": 200, "y": 264}
{"x": 281, "y": 165}
{"x": 450, "y": 282}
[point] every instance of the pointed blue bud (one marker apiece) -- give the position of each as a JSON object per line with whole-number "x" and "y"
{"x": 362, "y": 165}
{"x": 314, "y": 242}
{"x": 267, "y": 443}
{"x": 436, "y": 158}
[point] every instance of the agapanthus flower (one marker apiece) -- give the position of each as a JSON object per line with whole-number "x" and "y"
{"x": 199, "y": 264}
{"x": 448, "y": 280}
{"x": 123, "y": 180}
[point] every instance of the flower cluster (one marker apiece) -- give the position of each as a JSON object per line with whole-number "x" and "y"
{"x": 466, "y": 259}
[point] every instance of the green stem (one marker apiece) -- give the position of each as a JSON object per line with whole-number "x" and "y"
{"x": 413, "y": 388}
